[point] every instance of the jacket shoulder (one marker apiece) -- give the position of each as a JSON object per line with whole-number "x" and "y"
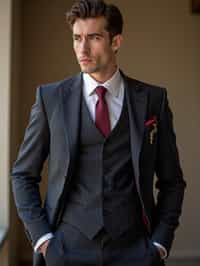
{"x": 53, "y": 89}
{"x": 156, "y": 95}
{"x": 51, "y": 94}
{"x": 144, "y": 86}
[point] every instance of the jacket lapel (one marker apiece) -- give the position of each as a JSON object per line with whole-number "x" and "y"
{"x": 71, "y": 101}
{"x": 137, "y": 99}
{"x": 137, "y": 108}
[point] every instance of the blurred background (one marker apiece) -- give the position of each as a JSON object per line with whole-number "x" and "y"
{"x": 161, "y": 46}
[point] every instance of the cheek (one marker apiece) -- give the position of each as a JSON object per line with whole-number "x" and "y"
{"x": 107, "y": 54}
{"x": 103, "y": 51}
{"x": 75, "y": 50}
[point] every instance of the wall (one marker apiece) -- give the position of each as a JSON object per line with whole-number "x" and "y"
{"x": 5, "y": 45}
{"x": 5, "y": 40}
{"x": 161, "y": 46}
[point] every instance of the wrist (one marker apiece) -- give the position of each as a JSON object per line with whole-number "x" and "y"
{"x": 161, "y": 252}
{"x": 161, "y": 249}
{"x": 43, "y": 247}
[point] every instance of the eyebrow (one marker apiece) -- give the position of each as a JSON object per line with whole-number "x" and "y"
{"x": 95, "y": 34}
{"x": 90, "y": 34}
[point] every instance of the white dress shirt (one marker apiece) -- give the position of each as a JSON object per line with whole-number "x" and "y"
{"x": 114, "y": 95}
{"x": 114, "y": 98}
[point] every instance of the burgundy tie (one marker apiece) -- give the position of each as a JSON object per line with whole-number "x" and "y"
{"x": 102, "y": 120}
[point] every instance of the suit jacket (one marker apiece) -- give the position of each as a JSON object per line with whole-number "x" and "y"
{"x": 53, "y": 133}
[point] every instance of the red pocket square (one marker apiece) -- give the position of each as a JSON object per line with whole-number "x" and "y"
{"x": 151, "y": 121}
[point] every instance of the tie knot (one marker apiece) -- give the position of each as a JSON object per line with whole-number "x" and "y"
{"x": 100, "y": 91}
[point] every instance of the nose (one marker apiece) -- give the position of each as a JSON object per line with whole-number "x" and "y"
{"x": 84, "y": 45}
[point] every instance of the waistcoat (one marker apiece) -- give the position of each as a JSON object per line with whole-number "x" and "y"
{"x": 103, "y": 192}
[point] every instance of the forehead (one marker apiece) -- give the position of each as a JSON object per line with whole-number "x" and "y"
{"x": 89, "y": 25}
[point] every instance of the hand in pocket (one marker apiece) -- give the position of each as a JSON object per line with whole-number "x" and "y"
{"x": 54, "y": 251}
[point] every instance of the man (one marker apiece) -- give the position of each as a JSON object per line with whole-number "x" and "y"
{"x": 105, "y": 135}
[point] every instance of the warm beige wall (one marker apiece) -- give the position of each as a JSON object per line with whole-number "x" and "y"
{"x": 5, "y": 45}
{"x": 5, "y": 48}
{"x": 161, "y": 46}
{"x": 45, "y": 47}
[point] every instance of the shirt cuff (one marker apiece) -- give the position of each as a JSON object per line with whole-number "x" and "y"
{"x": 163, "y": 249}
{"x": 41, "y": 240}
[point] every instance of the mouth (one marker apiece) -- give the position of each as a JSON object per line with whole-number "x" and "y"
{"x": 85, "y": 60}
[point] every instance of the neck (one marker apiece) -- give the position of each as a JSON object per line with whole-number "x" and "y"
{"x": 103, "y": 77}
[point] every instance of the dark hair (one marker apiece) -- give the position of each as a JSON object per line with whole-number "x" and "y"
{"x": 97, "y": 8}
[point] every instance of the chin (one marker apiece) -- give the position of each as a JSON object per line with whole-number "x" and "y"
{"x": 86, "y": 70}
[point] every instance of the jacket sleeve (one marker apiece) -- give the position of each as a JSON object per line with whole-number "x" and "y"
{"x": 26, "y": 172}
{"x": 170, "y": 183}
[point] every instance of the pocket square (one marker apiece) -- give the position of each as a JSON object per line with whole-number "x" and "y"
{"x": 152, "y": 123}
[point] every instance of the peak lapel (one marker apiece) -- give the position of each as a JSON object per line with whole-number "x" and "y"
{"x": 137, "y": 108}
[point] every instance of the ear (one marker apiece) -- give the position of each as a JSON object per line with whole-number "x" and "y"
{"x": 117, "y": 42}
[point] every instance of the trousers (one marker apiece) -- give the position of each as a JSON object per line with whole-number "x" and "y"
{"x": 70, "y": 247}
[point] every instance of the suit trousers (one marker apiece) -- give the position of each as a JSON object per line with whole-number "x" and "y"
{"x": 70, "y": 247}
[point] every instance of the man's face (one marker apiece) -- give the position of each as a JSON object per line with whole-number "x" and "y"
{"x": 93, "y": 48}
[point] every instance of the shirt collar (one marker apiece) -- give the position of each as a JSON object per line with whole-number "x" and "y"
{"x": 113, "y": 85}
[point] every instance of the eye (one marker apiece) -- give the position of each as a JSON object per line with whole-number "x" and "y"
{"x": 95, "y": 37}
{"x": 76, "y": 38}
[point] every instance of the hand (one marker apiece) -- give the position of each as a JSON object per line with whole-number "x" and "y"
{"x": 161, "y": 252}
{"x": 43, "y": 247}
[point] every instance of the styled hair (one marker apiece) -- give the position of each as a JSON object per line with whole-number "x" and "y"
{"x": 97, "y": 8}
